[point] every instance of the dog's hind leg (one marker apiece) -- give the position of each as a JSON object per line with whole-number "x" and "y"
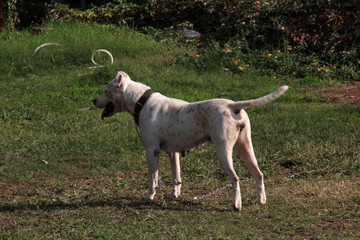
{"x": 175, "y": 170}
{"x": 152, "y": 157}
{"x": 245, "y": 148}
{"x": 226, "y": 162}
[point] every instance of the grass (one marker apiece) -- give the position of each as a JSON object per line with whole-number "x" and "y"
{"x": 65, "y": 174}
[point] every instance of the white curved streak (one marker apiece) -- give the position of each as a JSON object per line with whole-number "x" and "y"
{"x": 45, "y": 44}
{"x": 101, "y": 50}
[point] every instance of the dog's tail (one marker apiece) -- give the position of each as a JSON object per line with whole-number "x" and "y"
{"x": 237, "y": 106}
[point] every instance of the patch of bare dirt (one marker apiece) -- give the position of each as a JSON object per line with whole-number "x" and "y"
{"x": 347, "y": 92}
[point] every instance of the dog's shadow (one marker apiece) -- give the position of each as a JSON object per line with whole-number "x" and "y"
{"x": 120, "y": 203}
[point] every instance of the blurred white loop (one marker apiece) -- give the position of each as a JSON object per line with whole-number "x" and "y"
{"x": 101, "y": 50}
{"x": 44, "y": 45}
{"x": 92, "y": 56}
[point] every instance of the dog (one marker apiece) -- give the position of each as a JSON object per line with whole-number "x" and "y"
{"x": 176, "y": 126}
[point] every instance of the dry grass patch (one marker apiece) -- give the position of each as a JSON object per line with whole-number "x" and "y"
{"x": 347, "y": 92}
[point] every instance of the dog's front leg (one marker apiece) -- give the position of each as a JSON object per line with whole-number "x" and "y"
{"x": 152, "y": 157}
{"x": 175, "y": 170}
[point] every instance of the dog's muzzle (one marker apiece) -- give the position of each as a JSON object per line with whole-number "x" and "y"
{"x": 109, "y": 109}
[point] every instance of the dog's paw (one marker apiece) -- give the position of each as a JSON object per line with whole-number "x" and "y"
{"x": 261, "y": 200}
{"x": 147, "y": 198}
{"x": 150, "y": 195}
{"x": 175, "y": 194}
{"x": 235, "y": 209}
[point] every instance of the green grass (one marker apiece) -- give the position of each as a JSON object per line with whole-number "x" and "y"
{"x": 65, "y": 174}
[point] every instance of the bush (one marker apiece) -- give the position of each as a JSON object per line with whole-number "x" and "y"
{"x": 286, "y": 61}
{"x": 31, "y": 13}
{"x": 319, "y": 25}
{"x": 318, "y": 31}
{"x": 111, "y": 13}
{"x": 8, "y": 15}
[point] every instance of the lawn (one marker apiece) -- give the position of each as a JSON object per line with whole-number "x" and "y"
{"x": 65, "y": 174}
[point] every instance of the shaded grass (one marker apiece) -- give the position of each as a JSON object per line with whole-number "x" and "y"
{"x": 88, "y": 208}
{"x": 67, "y": 174}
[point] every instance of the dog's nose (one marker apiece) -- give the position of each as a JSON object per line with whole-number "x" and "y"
{"x": 94, "y": 102}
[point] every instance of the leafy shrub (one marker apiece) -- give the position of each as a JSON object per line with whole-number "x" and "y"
{"x": 330, "y": 24}
{"x": 8, "y": 15}
{"x": 325, "y": 24}
{"x": 319, "y": 31}
{"x": 110, "y": 13}
{"x": 2, "y": 17}
{"x": 31, "y": 13}
{"x": 316, "y": 24}
{"x": 286, "y": 61}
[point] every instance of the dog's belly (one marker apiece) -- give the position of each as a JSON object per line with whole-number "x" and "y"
{"x": 183, "y": 144}
{"x": 182, "y": 133}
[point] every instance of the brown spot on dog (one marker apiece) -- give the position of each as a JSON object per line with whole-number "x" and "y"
{"x": 190, "y": 110}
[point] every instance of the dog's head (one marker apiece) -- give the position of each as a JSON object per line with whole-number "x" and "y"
{"x": 112, "y": 100}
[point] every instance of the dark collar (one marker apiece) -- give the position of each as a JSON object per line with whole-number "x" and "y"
{"x": 140, "y": 103}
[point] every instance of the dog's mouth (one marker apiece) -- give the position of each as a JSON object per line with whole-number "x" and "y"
{"x": 109, "y": 109}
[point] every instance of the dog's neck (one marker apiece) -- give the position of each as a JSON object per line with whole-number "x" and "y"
{"x": 132, "y": 94}
{"x": 140, "y": 103}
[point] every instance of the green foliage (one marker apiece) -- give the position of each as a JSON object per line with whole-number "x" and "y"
{"x": 285, "y": 61}
{"x": 318, "y": 25}
{"x": 8, "y": 15}
{"x": 112, "y": 13}
{"x": 276, "y": 38}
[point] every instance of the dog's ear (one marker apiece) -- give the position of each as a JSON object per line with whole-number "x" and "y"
{"x": 123, "y": 79}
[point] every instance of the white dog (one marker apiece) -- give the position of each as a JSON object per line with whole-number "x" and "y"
{"x": 176, "y": 126}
